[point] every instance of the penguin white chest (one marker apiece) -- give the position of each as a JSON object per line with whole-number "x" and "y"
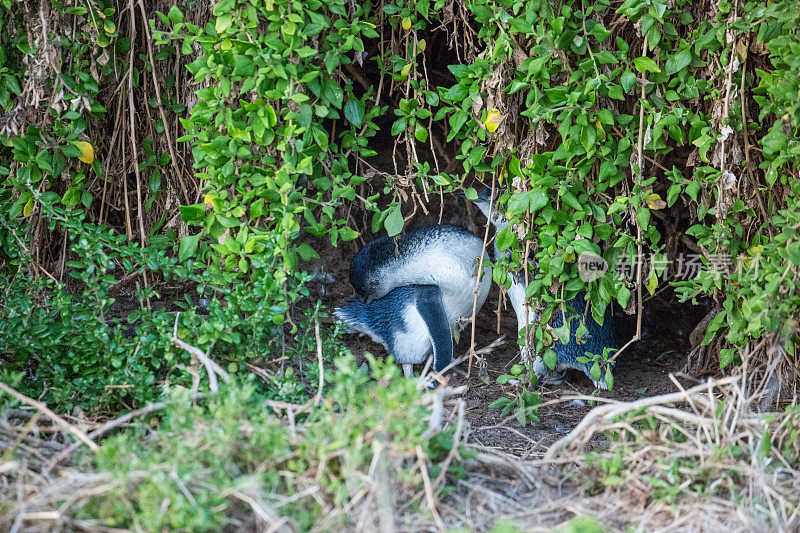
{"x": 413, "y": 340}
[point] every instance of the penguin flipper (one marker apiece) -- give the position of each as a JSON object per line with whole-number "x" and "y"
{"x": 431, "y": 309}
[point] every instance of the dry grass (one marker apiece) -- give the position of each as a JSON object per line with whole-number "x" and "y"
{"x": 701, "y": 459}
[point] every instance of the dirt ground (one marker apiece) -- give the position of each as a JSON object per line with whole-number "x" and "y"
{"x": 642, "y": 370}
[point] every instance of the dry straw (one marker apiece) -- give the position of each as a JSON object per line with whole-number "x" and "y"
{"x": 698, "y": 459}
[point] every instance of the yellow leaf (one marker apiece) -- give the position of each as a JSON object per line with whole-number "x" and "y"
{"x": 652, "y": 282}
{"x": 741, "y": 49}
{"x": 28, "y": 207}
{"x": 406, "y": 69}
{"x": 422, "y": 45}
{"x": 655, "y": 202}
{"x": 87, "y": 151}
{"x": 406, "y": 23}
{"x": 600, "y": 129}
{"x": 493, "y": 120}
{"x": 755, "y": 250}
{"x": 222, "y": 23}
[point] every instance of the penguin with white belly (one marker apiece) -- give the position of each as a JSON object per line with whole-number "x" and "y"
{"x": 413, "y": 290}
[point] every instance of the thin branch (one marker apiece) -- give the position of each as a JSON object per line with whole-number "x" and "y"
{"x": 212, "y": 367}
{"x": 173, "y": 158}
{"x": 131, "y": 112}
{"x": 50, "y": 414}
{"x": 478, "y": 282}
{"x": 318, "y": 397}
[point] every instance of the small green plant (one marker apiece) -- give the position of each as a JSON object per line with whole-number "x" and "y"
{"x": 192, "y": 468}
{"x": 601, "y": 365}
{"x": 522, "y": 402}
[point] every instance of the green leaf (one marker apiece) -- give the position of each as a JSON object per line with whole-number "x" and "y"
{"x": 519, "y": 203}
{"x": 347, "y": 233}
{"x": 550, "y": 359}
{"x": 398, "y": 126}
{"x": 627, "y": 80}
{"x": 645, "y": 64}
{"x": 193, "y": 213}
{"x": 394, "y": 221}
{"x": 609, "y": 378}
{"x": 306, "y": 252}
{"x": 223, "y": 23}
{"x": 571, "y": 201}
{"x": 498, "y": 403}
{"x": 188, "y": 247}
{"x": 353, "y": 113}
{"x": 726, "y": 357}
{"x": 765, "y": 446}
{"x": 420, "y": 133}
{"x": 678, "y": 62}
{"x": 71, "y": 197}
{"x": 562, "y": 332}
{"x": 595, "y": 371}
{"x": 505, "y": 238}
{"x": 175, "y": 14}
{"x": 456, "y": 93}
{"x": 588, "y": 136}
{"x": 793, "y": 251}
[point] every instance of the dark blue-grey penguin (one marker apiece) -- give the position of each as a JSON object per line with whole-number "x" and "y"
{"x": 415, "y": 289}
{"x": 599, "y": 336}
{"x": 409, "y": 321}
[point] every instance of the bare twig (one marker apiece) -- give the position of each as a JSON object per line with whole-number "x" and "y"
{"x": 481, "y": 273}
{"x": 608, "y": 411}
{"x": 173, "y": 158}
{"x": 429, "y": 495}
{"x": 50, "y": 414}
{"x": 212, "y": 367}
{"x": 132, "y": 112}
{"x": 318, "y": 397}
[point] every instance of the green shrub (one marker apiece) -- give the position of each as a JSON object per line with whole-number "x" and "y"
{"x": 193, "y": 470}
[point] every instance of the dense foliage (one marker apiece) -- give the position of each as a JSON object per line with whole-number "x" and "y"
{"x": 634, "y": 132}
{"x": 170, "y": 171}
{"x": 208, "y": 460}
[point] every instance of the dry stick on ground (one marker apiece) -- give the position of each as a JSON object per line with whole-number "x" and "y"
{"x": 318, "y": 397}
{"x": 49, "y": 414}
{"x": 111, "y": 424}
{"x": 611, "y": 410}
{"x": 456, "y": 442}
{"x": 478, "y": 283}
{"x": 212, "y": 367}
{"x": 429, "y": 496}
{"x": 22, "y": 434}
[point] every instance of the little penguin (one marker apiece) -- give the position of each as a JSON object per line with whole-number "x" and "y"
{"x": 598, "y": 337}
{"x": 444, "y": 257}
{"x": 409, "y": 321}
